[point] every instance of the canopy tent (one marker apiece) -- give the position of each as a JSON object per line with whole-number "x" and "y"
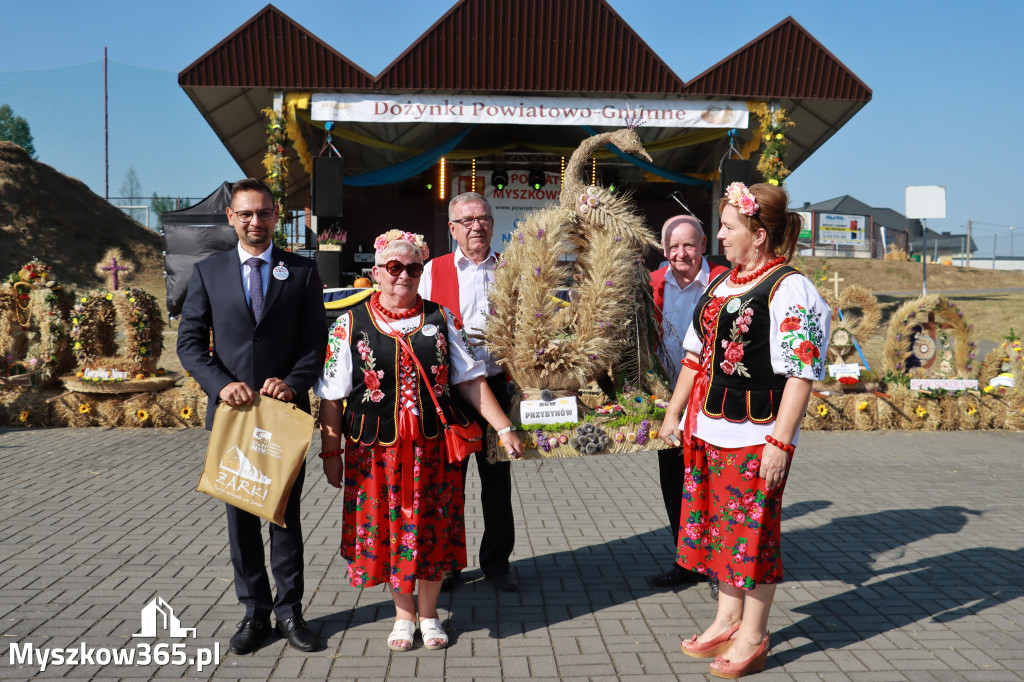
{"x": 190, "y": 235}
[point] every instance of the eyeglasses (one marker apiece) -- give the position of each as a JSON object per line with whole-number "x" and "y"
{"x": 397, "y": 267}
{"x": 482, "y": 219}
{"x": 265, "y": 214}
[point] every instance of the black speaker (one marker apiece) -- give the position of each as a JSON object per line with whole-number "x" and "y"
{"x": 328, "y": 176}
{"x": 738, "y": 170}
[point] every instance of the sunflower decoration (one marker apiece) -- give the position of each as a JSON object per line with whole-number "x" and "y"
{"x": 24, "y": 416}
{"x": 84, "y": 408}
{"x": 921, "y": 412}
{"x": 186, "y": 413}
{"x": 822, "y": 410}
{"x": 142, "y": 415}
{"x": 862, "y": 405}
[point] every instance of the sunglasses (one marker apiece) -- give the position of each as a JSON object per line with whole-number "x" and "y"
{"x": 397, "y": 267}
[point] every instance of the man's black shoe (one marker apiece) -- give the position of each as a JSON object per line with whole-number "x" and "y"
{"x": 297, "y": 633}
{"x": 450, "y": 581}
{"x": 250, "y": 634}
{"x": 714, "y": 588}
{"x": 677, "y": 575}
{"x": 504, "y": 582}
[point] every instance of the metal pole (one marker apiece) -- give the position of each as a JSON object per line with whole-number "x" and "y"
{"x": 924, "y": 257}
{"x": 936, "y": 250}
{"x": 106, "y": 133}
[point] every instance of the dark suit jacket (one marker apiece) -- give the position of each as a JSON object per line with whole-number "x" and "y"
{"x": 288, "y": 343}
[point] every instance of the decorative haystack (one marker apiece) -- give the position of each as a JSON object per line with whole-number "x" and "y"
{"x": 897, "y": 254}
{"x": 115, "y": 269}
{"x": 1003, "y": 366}
{"x": 34, "y": 346}
{"x": 929, "y": 338}
{"x": 593, "y": 243}
{"x": 855, "y": 318}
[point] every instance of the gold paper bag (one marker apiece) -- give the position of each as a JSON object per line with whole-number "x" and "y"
{"x": 255, "y": 454}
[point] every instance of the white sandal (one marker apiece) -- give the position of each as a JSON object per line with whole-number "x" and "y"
{"x": 402, "y": 635}
{"x": 430, "y": 629}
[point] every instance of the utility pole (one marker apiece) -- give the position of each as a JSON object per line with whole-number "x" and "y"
{"x": 106, "y": 133}
{"x": 969, "y": 243}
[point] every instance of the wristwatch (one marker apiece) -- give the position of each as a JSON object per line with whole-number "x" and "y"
{"x": 502, "y": 432}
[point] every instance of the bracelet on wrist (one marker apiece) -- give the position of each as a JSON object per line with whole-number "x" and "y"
{"x": 785, "y": 447}
{"x": 328, "y": 454}
{"x": 507, "y": 429}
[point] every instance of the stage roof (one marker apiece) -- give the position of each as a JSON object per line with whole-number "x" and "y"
{"x": 542, "y": 48}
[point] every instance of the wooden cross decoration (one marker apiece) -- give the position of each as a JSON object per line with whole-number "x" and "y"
{"x": 114, "y": 269}
{"x": 836, "y": 279}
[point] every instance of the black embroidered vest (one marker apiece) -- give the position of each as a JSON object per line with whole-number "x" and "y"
{"x": 743, "y": 386}
{"x": 371, "y": 412}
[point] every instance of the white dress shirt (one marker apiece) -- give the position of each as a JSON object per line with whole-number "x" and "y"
{"x": 677, "y": 314}
{"x": 243, "y": 256}
{"x": 475, "y": 282}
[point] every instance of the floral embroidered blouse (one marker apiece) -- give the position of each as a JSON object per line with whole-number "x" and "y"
{"x": 335, "y": 381}
{"x": 800, "y": 328}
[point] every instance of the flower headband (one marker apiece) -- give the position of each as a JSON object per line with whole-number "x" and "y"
{"x": 381, "y": 242}
{"x": 740, "y": 197}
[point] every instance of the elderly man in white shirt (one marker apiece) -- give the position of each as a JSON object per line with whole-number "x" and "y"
{"x": 676, "y": 287}
{"x": 460, "y": 281}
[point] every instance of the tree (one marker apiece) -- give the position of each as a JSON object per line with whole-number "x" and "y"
{"x": 15, "y": 129}
{"x": 159, "y": 206}
{"x": 131, "y": 188}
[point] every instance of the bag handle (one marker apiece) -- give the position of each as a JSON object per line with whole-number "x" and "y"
{"x": 426, "y": 379}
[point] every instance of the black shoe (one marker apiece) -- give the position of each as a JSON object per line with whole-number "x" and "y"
{"x": 714, "y": 588}
{"x": 450, "y": 581}
{"x": 677, "y": 575}
{"x": 504, "y": 582}
{"x": 297, "y": 633}
{"x": 251, "y": 633}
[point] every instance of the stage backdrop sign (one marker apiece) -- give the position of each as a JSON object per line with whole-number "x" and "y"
{"x": 594, "y": 111}
{"x": 511, "y": 204}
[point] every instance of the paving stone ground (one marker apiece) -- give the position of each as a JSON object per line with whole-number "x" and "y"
{"x": 904, "y": 559}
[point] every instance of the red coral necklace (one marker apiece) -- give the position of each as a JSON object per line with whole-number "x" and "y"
{"x": 738, "y": 279}
{"x": 412, "y": 312}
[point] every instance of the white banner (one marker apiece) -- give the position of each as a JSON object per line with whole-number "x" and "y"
{"x": 558, "y": 411}
{"x": 596, "y": 111}
{"x": 839, "y": 228}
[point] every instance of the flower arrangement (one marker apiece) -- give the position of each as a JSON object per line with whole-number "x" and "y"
{"x": 332, "y": 238}
{"x": 35, "y": 271}
{"x": 773, "y": 124}
{"x": 740, "y": 197}
{"x": 417, "y": 240}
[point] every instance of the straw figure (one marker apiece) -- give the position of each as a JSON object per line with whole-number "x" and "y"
{"x": 853, "y": 326}
{"x": 542, "y": 342}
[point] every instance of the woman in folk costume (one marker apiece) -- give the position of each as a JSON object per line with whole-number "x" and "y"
{"x": 403, "y": 512}
{"x": 756, "y": 344}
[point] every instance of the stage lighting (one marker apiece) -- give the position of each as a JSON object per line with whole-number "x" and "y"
{"x": 499, "y": 178}
{"x": 537, "y": 178}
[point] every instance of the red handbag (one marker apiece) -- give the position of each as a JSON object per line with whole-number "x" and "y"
{"x": 460, "y": 441}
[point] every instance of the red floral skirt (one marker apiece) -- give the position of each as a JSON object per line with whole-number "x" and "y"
{"x": 403, "y": 512}
{"x": 729, "y": 525}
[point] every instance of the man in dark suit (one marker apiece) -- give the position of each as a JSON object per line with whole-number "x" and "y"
{"x": 264, "y": 307}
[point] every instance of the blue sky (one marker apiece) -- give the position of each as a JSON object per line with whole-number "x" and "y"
{"x": 946, "y": 78}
